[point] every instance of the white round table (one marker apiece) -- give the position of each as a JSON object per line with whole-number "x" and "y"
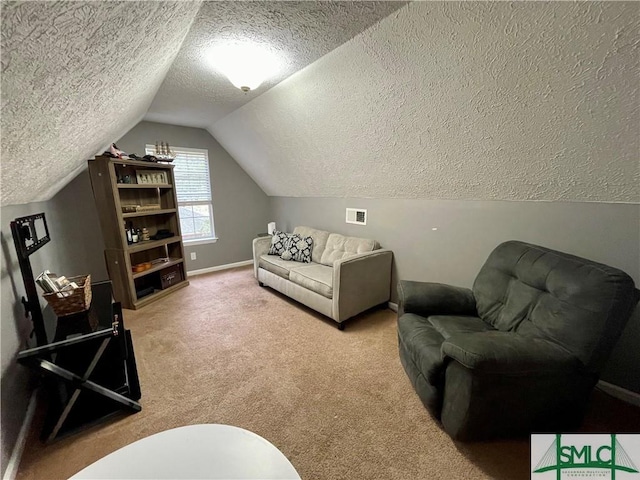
{"x": 196, "y": 451}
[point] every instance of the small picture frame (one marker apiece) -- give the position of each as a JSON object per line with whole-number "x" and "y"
{"x": 151, "y": 177}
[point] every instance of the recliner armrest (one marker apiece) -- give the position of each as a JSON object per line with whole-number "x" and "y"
{"x": 425, "y": 298}
{"x": 509, "y": 353}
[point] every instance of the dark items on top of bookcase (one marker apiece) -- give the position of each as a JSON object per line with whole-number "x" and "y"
{"x": 161, "y": 153}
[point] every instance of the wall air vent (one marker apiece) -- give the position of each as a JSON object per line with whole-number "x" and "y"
{"x": 357, "y": 216}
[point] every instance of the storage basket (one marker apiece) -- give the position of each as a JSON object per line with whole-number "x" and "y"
{"x": 71, "y": 301}
{"x": 170, "y": 276}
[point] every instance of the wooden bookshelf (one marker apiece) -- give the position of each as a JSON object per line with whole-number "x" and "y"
{"x": 114, "y": 186}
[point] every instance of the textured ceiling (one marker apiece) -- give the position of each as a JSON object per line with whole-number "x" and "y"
{"x": 461, "y": 100}
{"x": 194, "y": 94}
{"x": 75, "y": 77}
{"x": 457, "y": 100}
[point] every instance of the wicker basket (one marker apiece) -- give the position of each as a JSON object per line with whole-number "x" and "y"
{"x": 71, "y": 301}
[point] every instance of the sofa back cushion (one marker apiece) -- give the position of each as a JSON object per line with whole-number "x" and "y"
{"x": 538, "y": 292}
{"x": 338, "y": 247}
{"x": 319, "y": 240}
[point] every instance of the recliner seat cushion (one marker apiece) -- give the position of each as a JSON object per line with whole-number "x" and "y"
{"x": 315, "y": 277}
{"x": 448, "y": 325}
{"x": 339, "y": 247}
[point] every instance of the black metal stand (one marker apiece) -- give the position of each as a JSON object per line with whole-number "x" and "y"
{"x": 26, "y": 241}
{"x": 88, "y": 366}
{"x": 89, "y": 369}
{"x": 125, "y": 396}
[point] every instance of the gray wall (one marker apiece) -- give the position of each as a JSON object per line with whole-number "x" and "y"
{"x": 466, "y": 233}
{"x": 14, "y": 329}
{"x": 240, "y": 207}
{"x": 76, "y": 248}
{"x": 241, "y": 210}
{"x": 75, "y": 231}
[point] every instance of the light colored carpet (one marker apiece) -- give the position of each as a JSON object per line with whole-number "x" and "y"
{"x": 337, "y": 404}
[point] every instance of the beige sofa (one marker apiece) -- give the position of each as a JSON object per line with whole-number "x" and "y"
{"x": 346, "y": 276}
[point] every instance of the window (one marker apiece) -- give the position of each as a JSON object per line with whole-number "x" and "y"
{"x": 193, "y": 189}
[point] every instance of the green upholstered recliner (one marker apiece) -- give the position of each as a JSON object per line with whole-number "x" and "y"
{"x": 522, "y": 350}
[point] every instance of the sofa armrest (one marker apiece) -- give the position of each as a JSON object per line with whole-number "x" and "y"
{"x": 425, "y": 298}
{"x": 260, "y": 247}
{"x": 509, "y": 353}
{"x": 361, "y": 282}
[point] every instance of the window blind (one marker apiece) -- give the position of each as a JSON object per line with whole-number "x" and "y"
{"x": 191, "y": 173}
{"x": 193, "y": 191}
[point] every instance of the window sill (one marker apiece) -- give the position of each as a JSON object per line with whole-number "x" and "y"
{"x": 204, "y": 241}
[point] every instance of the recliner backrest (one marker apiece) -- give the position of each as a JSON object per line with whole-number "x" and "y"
{"x": 538, "y": 292}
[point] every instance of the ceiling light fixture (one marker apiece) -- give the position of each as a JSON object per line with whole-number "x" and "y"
{"x": 245, "y": 65}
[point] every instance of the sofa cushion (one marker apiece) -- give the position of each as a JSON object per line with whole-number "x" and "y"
{"x": 298, "y": 248}
{"x": 276, "y": 265}
{"x": 317, "y": 278}
{"x": 339, "y": 247}
{"x": 448, "y": 325}
{"x": 319, "y": 240}
{"x": 278, "y": 242}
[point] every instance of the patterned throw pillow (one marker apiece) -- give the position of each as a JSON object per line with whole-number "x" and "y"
{"x": 278, "y": 243}
{"x": 298, "y": 249}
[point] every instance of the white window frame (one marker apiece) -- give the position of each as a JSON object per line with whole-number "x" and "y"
{"x": 150, "y": 149}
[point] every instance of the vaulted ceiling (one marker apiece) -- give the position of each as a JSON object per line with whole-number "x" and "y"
{"x": 195, "y": 94}
{"x": 76, "y": 76}
{"x": 524, "y": 101}
{"x": 460, "y": 100}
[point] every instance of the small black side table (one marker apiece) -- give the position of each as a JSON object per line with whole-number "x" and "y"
{"x": 88, "y": 366}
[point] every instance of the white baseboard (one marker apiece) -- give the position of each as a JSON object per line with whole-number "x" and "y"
{"x": 393, "y": 306}
{"x": 217, "y": 268}
{"x": 16, "y": 455}
{"x": 621, "y": 393}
